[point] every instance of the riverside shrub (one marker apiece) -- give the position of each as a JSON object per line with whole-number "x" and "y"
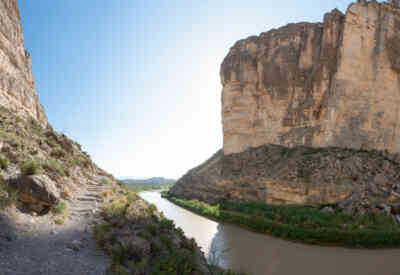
{"x": 302, "y": 223}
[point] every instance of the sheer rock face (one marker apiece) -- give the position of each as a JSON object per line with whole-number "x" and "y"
{"x": 333, "y": 87}
{"x": 334, "y": 83}
{"x": 17, "y": 87}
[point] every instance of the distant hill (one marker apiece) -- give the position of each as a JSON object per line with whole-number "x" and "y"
{"x": 150, "y": 181}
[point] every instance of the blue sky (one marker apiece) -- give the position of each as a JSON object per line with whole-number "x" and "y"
{"x": 137, "y": 82}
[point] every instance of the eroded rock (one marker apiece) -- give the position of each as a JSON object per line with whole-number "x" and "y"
{"x": 278, "y": 175}
{"x": 17, "y": 87}
{"x": 334, "y": 83}
{"x": 37, "y": 193}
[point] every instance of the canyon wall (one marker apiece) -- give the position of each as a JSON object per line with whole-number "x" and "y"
{"x": 334, "y": 83}
{"x": 17, "y": 86}
{"x": 310, "y": 114}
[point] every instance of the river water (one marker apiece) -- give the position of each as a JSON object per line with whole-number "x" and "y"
{"x": 260, "y": 254}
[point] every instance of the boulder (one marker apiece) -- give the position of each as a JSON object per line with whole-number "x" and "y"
{"x": 37, "y": 193}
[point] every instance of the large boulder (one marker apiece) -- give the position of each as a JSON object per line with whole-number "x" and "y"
{"x": 37, "y": 193}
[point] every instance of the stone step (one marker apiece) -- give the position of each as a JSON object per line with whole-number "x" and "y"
{"x": 95, "y": 195}
{"x": 99, "y": 189}
{"x": 96, "y": 184}
{"x": 92, "y": 194}
{"x": 88, "y": 199}
{"x": 87, "y": 209}
{"x": 87, "y": 205}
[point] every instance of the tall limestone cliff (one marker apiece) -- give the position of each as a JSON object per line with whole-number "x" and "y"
{"x": 17, "y": 87}
{"x": 334, "y": 83}
{"x": 304, "y": 107}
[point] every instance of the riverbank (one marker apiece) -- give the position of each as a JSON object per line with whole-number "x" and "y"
{"x": 321, "y": 226}
{"x": 140, "y": 240}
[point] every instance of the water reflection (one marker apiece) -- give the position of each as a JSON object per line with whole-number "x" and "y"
{"x": 263, "y": 255}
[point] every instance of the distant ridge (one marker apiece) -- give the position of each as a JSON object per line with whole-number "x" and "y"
{"x": 149, "y": 181}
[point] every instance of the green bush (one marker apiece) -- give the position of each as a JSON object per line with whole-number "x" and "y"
{"x": 103, "y": 234}
{"x": 29, "y": 167}
{"x": 57, "y": 152}
{"x": 60, "y": 208}
{"x": 3, "y": 161}
{"x": 306, "y": 224}
{"x": 53, "y": 166}
{"x": 59, "y": 220}
{"x": 132, "y": 197}
{"x": 8, "y": 195}
{"x": 116, "y": 209}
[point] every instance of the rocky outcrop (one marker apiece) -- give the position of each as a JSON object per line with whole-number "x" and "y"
{"x": 334, "y": 83}
{"x": 38, "y": 193}
{"x": 17, "y": 87}
{"x": 295, "y": 99}
{"x": 279, "y": 175}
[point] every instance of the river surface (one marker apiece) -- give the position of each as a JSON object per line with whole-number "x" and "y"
{"x": 259, "y": 254}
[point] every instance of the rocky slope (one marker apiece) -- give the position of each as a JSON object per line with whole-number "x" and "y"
{"x": 356, "y": 179}
{"x": 312, "y": 90}
{"x": 52, "y": 195}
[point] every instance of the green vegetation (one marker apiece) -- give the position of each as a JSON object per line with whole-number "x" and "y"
{"x": 29, "y": 167}
{"x": 148, "y": 187}
{"x": 8, "y": 195}
{"x": 153, "y": 246}
{"x": 138, "y": 185}
{"x": 60, "y": 208}
{"x": 57, "y": 152}
{"x": 202, "y": 208}
{"x": 60, "y": 220}
{"x": 305, "y": 224}
{"x": 3, "y": 161}
{"x": 53, "y": 166}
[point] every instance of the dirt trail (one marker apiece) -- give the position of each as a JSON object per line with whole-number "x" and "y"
{"x": 36, "y": 245}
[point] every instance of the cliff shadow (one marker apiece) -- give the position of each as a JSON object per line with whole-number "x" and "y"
{"x": 29, "y": 246}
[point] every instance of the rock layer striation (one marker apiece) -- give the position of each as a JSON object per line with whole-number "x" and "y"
{"x": 334, "y": 83}
{"x": 310, "y": 114}
{"x": 17, "y": 86}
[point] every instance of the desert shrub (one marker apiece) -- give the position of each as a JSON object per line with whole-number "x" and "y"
{"x": 59, "y": 220}
{"x": 8, "y": 195}
{"x": 151, "y": 209}
{"x": 116, "y": 208}
{"x": 3, "y": 161}
{"x": 57, "y": 152}
{"x": 60, "y": 208}
{"x": 107, "y": 193}
{"x": 121, "y": 184}
{"x": 102, "y": 233}
{"x": 132, "y": 197}
{"x": 29, "y": 167}
{"x": 3, "y": 134}
{"x": 306, "y": 224}
{"x": 53, "y": 166}
{"x": 75, "y": 162}
{"x": 202, "y": 208}
{"x": 166, "y": 225}
{"x": 51, "y": 142}
{"x": 85, "y": 162}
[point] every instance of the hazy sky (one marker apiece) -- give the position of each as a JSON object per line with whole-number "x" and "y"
{"x": 137, "y": 82}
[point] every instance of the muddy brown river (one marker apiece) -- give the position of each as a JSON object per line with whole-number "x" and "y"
{"x": 240, "y": 249}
